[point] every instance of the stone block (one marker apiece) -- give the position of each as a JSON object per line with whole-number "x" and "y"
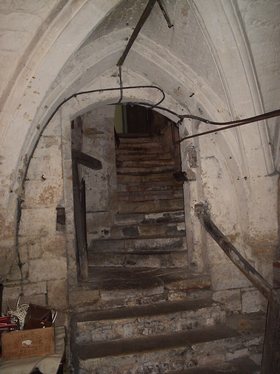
{"x": 237, "y": 354}
{"x": 54, "y": 127}
{"x": 48, "y": 146}
{"x": 61, "y": 318}
{"x": 45, "y": 167}
{"x": 35, "y": 288}
{"x": 7, "y": 259}
{"x": 47, "y": 269}
{"x": 43, "y": 193}
{"x": 231, "y": 299}
{"x": 38, "y": 222}
{"x": 16, "y": 274}
{"x": 54, "y": 246}
{"x": 35, "y": 249}
{"x": 32, "y": 293}
{"x": 57, "y": 294}
{"x": 34, "y": 299}
{"x": 82, "y": 297}
{"x": 252, "y": 301}
{"x": 225, "y": 275}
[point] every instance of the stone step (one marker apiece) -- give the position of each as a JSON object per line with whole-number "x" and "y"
{"x": 135, "y": 156}
{"x": 150, "y": 163}
{"x": 169, "y": 186}
{"x": 147, "y": 170}
{"x": 142, "y": 138}
{"x": 150, "y": 195}
{"x": 161, "y": 245}
{"x": 151, "y": 259}
{"x": 151, "y": 206}
{"x": 242, "y": 365}
{"x": 143, "y": 231}
{"x": 161, "y": 217}
{"x": 162, "y": 318}
{"x": 163, "y": 178}
{"x": 147, "y": 147}
{"x": 207, "y": 346}
{"x": 143, "y": 278}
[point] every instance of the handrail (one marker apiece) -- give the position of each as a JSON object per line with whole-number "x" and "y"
{"x": 271, "y": 347}
{"x": 243, "y": 265}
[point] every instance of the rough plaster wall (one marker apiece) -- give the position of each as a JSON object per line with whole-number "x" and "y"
{"x": 41, "y": 241}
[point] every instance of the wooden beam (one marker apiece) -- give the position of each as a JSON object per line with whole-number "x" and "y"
{"x": 136, "y": 30}
{"x": 271, "y": 347}
{"x": 86, "y": 160}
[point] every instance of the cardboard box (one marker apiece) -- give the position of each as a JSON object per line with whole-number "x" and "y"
{"x": 28, "y": 343}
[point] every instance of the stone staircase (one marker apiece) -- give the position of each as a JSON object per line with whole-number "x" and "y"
{"x": 149, "y": 224}
{"x": 173, "y": 337}
{"x": 153, "y": 316}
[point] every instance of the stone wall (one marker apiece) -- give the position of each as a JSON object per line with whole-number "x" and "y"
{"x": 41, "y": 250}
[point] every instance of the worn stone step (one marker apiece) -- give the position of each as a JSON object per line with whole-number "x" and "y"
{"x": 150, "y": 259}
{"x": 147, "y": 320}
{"x": 149, "y": 147}
{"x": 140, "y": 138}
{"x": 168, "y": 352}
{"x": 168, "y": 186}
{"x": 151, "y": 206}
{"x": 143, "y": 231}
{"x": 143, "y": 171}
{"x": 161, "y": 217}
{"x": 140, "y": 245}
{"x": 242, "y": 365}
{"x": 153, "y": 153}
{"x": 163, "y": 178}
{"x": 138, "y": 286}
{"x": 145, "y": 278}
{"x": 150, "y": 195}
{"x": 145, "y": 164}
{"x": 134, "y": 225}
{"x": 135, "y": 156}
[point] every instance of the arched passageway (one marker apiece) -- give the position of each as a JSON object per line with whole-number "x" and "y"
{"x": 129, "y": 208}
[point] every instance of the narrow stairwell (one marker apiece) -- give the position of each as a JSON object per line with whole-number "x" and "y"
{"x": 149, "y": 228}
{"x": 154, "y": 316}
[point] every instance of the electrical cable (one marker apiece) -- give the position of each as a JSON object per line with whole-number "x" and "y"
{"x": 74, "y": 95}
{"x": 226, "y": 125}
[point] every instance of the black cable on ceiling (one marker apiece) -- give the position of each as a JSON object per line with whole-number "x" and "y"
{"x": 226, "y": 125}
{"x": 77, "y": 94}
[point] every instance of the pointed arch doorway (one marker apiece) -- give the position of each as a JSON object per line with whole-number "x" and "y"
{"x": 132, "y": 209}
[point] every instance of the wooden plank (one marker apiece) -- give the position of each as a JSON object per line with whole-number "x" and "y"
{"x": 28, "y": 343}
{"x": 271, "y": 350}
{"x": 81, "y": 241}
{"x": 86, "y": 160}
